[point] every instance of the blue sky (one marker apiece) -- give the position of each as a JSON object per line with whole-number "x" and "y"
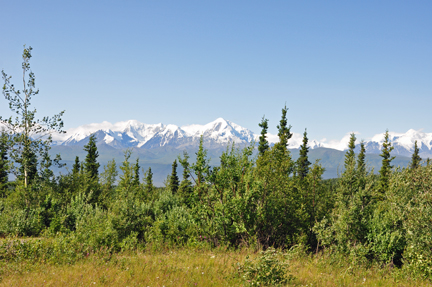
{"x": 339, "y": 66}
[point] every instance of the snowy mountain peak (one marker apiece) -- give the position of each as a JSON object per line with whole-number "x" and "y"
{"x": 221, "y": 132}
{"x": 133, "y": 133}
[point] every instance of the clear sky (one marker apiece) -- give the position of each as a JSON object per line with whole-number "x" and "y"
{"x": 339, "y": 66}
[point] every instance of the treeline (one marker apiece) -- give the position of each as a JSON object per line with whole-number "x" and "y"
{"x": 268, "y": 200}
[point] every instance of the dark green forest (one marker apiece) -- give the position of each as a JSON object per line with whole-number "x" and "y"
{"x": 255, "y": 199}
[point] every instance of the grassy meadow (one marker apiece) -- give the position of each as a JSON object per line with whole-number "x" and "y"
{"x": 193, "y": 267}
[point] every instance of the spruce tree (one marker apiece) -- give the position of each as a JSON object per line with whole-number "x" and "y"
{"x": 263, "y": 143}
{"x": 174, "y": 180}
{"x": 349, "y": 176}
{"x": 415, "y": 159}
{"x": 201, "y": 167}
{"x": 4, "y": 169}
{"x": 386, "y": 163}
{"x": 76, "y": 166}
{"x": 361, "y": 164}
{"x": 284, "y": 132}
{"x": 136, "y": 178}
{"x": 185, "y": 188}
{"x": 91, "y": 165}
{"x": 350, "y": 155}
{"x": 149, "y": 181}
{"x": 127, "y": 177}
{"x": 302, "y": 162}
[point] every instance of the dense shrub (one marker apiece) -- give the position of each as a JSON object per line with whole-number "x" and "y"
{"x": 269, "y": 269}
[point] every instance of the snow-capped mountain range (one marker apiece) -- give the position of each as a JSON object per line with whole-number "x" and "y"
{"x": 220, "y": 133}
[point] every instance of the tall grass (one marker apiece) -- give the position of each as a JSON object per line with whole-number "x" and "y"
{"x": 190, "y": 267}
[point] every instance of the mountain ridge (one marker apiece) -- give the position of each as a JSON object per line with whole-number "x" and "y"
{"x": 220, "y": 133}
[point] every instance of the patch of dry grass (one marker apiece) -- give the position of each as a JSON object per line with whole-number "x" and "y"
{"x": 316, "y": 271}
{"x": 188, "y": 267}
{"x": 172, "y": 268}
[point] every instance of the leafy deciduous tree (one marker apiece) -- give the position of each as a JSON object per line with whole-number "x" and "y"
{"x": 108, "y": 178}
{"x": 30, "y": 136}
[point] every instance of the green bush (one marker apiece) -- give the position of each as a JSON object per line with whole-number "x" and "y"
{"x": 418, "y": 222}
{"x": 21, "y": 222}
{"x": 267, "y": 270}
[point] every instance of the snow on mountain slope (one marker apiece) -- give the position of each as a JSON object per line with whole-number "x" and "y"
{"x": 134, "y": 133}
{"x": 403, "y": 143}
{"x": 222, "y": 132}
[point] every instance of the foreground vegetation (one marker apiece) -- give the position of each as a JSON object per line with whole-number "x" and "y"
{"x": 360, "y": 225}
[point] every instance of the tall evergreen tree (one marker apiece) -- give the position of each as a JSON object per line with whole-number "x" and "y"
{"x": 136, "y": 178}
{"x": 91, "y": 165}
{"x": 185, "y": 188}
{"x": 76, "y": 166}
{"x": 361, "y": 164}
{"x": 284, "y": 131}
{"x": 415, "y": 159}
{"x": 350, "y": 155}
{"x": 82, "y": 168}
{"x": 127, "y": 177}
{"x": 349, "y": 176}
{"x": 386, "y": 163}
{"x": 302, "y": 162}
{"x": 4, "y": 169}
{"x": 263, "y": 143}
{"x": 201, "y": 167}
{"x": 149, "y": 181}
{"x": 174, "y": 180}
